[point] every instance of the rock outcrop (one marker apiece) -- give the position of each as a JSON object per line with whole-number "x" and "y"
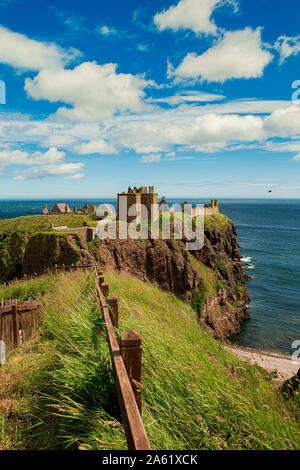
{"x": 22, "y": 253}
{"x": 212, "y": 278}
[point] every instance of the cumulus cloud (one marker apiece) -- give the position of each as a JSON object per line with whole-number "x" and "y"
{"x": 94, "y": 91}
{"x": 287, "y": 46}
{"x": 20, "y": 157}
{"x": 297, "y": 158}
{"x": 239, "y": 54}
{"x": 50, "y": 163}
{"x": 190, "y": 14}
{"x": 20, "y": 52}
{"x": 66, "y": 169}
{"x": 165, "y": 130}
{"x": 96, "y": 146}
{"x": 284, "y": 122}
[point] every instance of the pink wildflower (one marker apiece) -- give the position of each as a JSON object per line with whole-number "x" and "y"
{"x": 233, "y": 371}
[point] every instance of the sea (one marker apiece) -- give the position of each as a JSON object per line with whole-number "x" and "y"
{"x": 269, "y": 239}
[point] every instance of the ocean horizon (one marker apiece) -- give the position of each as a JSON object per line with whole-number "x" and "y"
{"x": 268, "y": 231}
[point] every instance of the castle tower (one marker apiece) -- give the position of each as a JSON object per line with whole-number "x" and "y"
{"x": 136, "y": 197}
{"x": 150, "y": 200}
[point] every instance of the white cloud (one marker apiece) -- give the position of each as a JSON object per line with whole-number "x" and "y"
{"x": 19, "y": 157}
{"x": 20, "y": 52}
{"x": 284, "y": 122}
{"x": 161, "y": 131}
{"x": 94, "y": 91}
{"x": 239, "y": 54}
{"x": 190, "y": 14}
{"x": 297, "y": 158}
{"x": 96, "y": 146}
{"x": 106, "y": 30}
{"x": 77, "y": 176}
{"x": 188, "y": 97}
{"x": 38, "y": 172}
{"x": 287, "y": 46}
{"x": 150, "y": 158}
{"x": 50, "y": 163}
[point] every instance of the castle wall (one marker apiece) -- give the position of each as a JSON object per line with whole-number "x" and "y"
{"x": 87, "y": 234}
{"x": 138, "y": 197}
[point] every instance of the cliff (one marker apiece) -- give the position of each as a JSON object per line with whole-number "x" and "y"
{"x": 22, "y": 253}
{"x": 211, "y": 279}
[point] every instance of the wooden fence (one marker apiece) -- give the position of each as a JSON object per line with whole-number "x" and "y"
{"x": 17, "y": 321}
{"x": 127, "y": 365}
{"x": 56, "y": 269}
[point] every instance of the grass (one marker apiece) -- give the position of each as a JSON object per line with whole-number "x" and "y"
{"x": 42, "y": 223}
{"x": 191, "y": 400}
{"x": 57, "y": 391}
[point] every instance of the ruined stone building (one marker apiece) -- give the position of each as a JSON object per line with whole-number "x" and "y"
{"x": 142, "y": 196}
{"x": 138, "y": 197}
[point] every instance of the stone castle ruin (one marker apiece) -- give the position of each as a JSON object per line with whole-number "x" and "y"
{"x": 140, "y": 204}
{"x": 143, "y": 196}
{"x": 138, "y": 197}
{"x": 64, "y": 208}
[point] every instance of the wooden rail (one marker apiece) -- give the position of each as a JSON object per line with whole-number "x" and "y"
{"x": 17, "y": 322}
{"x": 56, "y": 268}
{"x": 18, "y": 319}
{"x": 126, "y": 361}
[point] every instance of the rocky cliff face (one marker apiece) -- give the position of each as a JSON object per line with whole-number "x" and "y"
{"x": 22, "y": 253}
{"x": 211, "y": 279}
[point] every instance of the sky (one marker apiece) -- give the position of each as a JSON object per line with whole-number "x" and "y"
{"x": 200, "y": 98}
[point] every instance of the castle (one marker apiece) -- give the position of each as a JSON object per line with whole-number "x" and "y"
{"x": 149, "y": 198}
{"x": 141, "y": 198}
{"x": 64, "y": 208}
{"x": 138, "y": 196}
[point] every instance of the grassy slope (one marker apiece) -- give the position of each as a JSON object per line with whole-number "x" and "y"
{"x": 42, "y": 223}
{"x": 59, "y": 392}
{"x": 190, "y": 401}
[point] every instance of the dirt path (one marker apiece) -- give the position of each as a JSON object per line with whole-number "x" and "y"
{"x": 268, "y": 360}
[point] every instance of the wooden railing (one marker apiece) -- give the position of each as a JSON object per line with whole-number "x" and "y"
{"x": 17, "y": 322}
{"x": 127, "y": 365}
{"x": 18, "y": 319}
{"x": 56, "y": 268}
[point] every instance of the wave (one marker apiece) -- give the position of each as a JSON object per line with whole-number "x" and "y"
{"x": 246, "y": 259}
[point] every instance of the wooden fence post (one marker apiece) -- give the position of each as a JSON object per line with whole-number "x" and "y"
{"x": 14, "y": 309}
{"x": 105, "y": 289}
{"x": 131, "y": 347}
{"x": 114, "y": 307}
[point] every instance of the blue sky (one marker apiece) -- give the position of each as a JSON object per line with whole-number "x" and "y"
{"x": 193, "y": 96}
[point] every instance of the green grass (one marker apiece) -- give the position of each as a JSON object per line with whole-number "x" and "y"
{"x": 216, "y": 221}
{"x": 57, "y": 391}
{"x": 42, "y": 223}
{"x": 190, "y": 401}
